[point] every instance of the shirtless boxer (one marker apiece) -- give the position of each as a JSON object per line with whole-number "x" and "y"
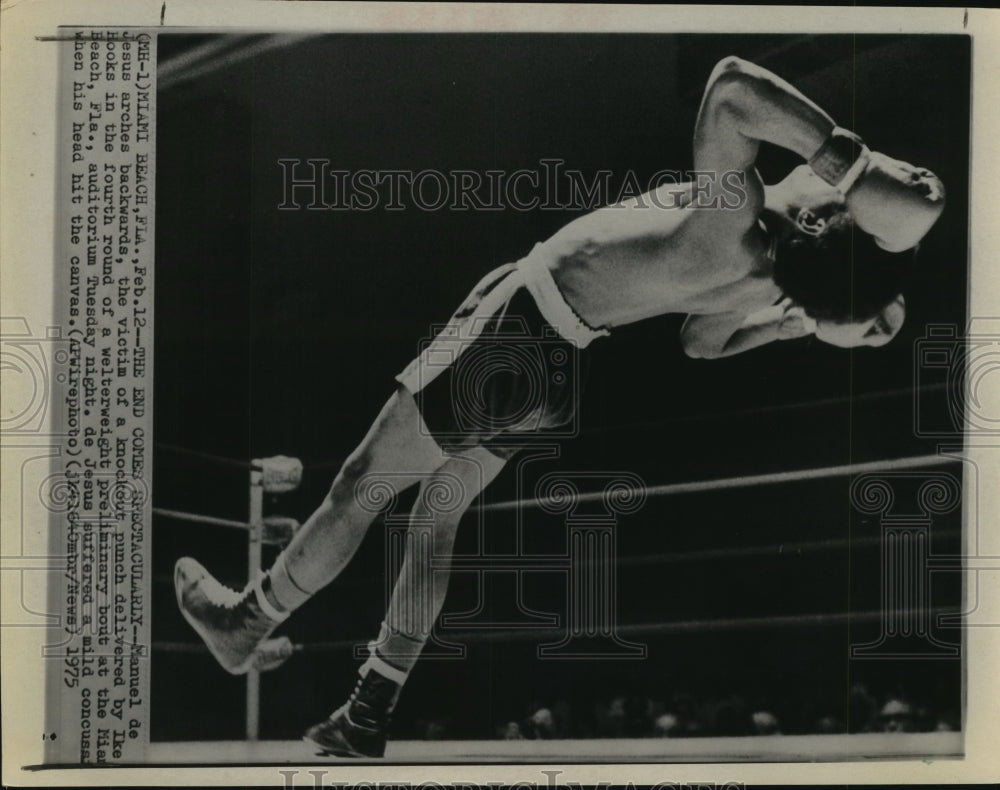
{"x": 821, "y": 252}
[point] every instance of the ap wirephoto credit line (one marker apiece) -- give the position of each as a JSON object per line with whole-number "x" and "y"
{"x": 469, "y": 396}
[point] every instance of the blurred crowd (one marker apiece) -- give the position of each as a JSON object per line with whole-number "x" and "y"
{"x": 685, "y": 715}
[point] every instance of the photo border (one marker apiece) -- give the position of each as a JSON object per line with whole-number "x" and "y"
{"x": 29, "y": 133}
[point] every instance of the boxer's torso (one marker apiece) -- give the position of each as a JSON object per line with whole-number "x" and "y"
{"x": 678, "y": 254}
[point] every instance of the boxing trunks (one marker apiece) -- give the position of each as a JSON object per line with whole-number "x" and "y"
{"x": 508, "y": 368}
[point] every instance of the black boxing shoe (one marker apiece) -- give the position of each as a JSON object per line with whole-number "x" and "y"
{"x": 359, "y": 728}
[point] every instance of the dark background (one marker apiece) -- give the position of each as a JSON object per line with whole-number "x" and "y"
{"x": 280, "y": 332}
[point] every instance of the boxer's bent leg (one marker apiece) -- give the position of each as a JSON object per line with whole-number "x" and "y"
{"x": 359, "y": 727}
{"x": 419, "y": 592}
{"x": 234, "y": 624}
{"x": 399, "y": 446}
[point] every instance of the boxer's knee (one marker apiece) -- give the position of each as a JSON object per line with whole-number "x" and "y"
{"x": 357, "y": 466}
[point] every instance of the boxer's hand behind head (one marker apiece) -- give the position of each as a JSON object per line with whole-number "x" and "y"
{"x": 895, "y": 202}
{"x": 794, "y": 322}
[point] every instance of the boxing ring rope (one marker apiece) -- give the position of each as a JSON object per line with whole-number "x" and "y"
{"x": 756, "y": 411}
{"x": 195, "y": 518}
{"x": 218, "y": 55}
{"x": 714, "y": 624}
{"x": 281, "y": 474}
{"x": 219, "y": 460}
{"x": 730, "y": 414}
{"x": 744, "y": 481}
{"x": 796, "y": 548}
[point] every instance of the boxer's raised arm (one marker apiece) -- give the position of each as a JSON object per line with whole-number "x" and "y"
{"x": 744, "y": 105}
{"x": 726, "y": 334}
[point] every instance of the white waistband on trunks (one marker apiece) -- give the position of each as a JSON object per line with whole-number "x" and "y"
{"x": 532, "y": 273}
{"x": 550, "y": 301}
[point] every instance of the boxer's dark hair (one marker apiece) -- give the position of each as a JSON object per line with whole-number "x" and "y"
{"x": 840, "y": 275}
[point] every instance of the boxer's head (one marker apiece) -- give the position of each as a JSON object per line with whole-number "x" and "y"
{"x": 808, "y": 201}
{"x": 837, "y": 273}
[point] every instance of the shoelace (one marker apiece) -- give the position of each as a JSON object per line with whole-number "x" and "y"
{"x": 378, "y": 718}
{"x": 218, "y": 593}
{"x": 357, "y": 690}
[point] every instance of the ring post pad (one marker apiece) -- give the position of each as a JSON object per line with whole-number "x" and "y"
{"x": 280, "y": 474}
{"x": 279, "y": 529}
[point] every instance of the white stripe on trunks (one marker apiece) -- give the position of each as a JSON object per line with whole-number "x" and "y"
{"x": 551, "y": 303}
{"x": 533, "y": 273}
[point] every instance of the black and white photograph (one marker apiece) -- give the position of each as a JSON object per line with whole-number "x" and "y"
{"x": 484, "y": 394}
{"x": 661, "y": 295}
